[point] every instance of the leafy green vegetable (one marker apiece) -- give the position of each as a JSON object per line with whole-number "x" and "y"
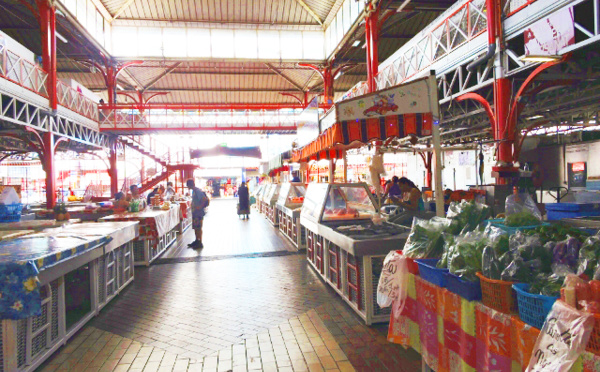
{"x": 524, "y": 218}
{"x": 547, "y": 285}
{"x": 557, "y": 232}
{"x": 466, "y": 216}
{"x": 464, "y": 255}
{"x": 426, "y": 239}
{"x": 589, "y": 256}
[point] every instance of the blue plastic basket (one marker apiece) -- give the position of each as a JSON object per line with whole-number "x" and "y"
{"x": 10, "y": 212}
{"x": 429, "y": 272}
{"x": 470, "y": 291}
{"x": 533, "y": 308}
{"x": 499, "y": 223}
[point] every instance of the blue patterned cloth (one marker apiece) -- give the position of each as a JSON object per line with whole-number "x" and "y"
{"x": 20, "y": 262}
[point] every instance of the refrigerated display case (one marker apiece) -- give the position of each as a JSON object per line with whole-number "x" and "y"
{"x": 345, "y": 247}
{"x": 270, "y": 200}
{"x": 289, "y": 205}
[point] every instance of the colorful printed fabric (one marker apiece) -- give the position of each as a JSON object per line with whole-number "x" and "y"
{"x": 453, "y": 334}
{"x": 22, "y": 259}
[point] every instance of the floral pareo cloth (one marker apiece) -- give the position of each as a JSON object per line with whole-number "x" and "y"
{"x": 22, "y": 259}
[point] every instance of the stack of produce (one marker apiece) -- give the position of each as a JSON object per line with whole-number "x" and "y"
{"x": 467, "y": 215}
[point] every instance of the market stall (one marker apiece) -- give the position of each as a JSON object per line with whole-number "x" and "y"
{"x": 270, "y": 204}
{"x": 36, "y": 225}
{"x": 64, "y": 276}
{"x": 185, "y": 215}
{"x": 289, "y": 205}
{"x": 83, "y": 213}
{"x": 345, "y": 247}
{"x": 158, "y": 230}
{"x": 258, "y": 196}
{"x": 262, "y": 198}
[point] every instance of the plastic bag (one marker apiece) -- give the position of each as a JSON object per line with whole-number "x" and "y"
{"x": 393, "y": 282}
{"x": 464, "y": 254}
{"x": 467, "y": 215}
{"x": 519, "y": 203}
{"x": 9, "y": 196}
{"x": 589, "y": 255}
{"x": 426, "y": 239}
{"x": 562, "y": 339}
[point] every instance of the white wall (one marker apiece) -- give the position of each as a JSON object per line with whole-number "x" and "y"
{"x": 17, "y": 48}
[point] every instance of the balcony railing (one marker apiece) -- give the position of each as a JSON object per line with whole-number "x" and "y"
{"x": 22, "y": 72}
{"x": 133, "y": 120}
{"x": 75, "y": 101}
{"x": 461, "y": 24}
{"x": 359, "y": 89}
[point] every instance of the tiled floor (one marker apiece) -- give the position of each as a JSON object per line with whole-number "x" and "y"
{"x": 227, "y": 308}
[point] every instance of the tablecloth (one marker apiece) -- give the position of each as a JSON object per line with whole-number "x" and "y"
{"x": 20, "y": 262}
{"x": 453, "y": 334}
{"x": 35, "y": 224}
{"x": 120, "y": 232}
{"x": 12, "y": 234}
{"x": 153, "y": 223}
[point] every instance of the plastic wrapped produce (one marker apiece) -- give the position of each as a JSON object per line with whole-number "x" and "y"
{"x": 426, "y": 238}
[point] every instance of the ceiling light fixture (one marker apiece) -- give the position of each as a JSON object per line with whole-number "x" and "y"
{"x": 539, "y": 58}
{"x": 535, "y": 117}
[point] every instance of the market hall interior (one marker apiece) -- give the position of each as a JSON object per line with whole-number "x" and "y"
{"x": 247, "y": 301}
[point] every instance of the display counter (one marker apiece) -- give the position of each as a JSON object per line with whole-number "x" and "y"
{"x": 81, "y": 213}
{"x": 289, "y": 205}
{"x": 12, "y": 234}
{"x": 270, "y": 204}
{"x": 36, "y": 225}
{"x": 344, "y": 246}
{"x": 258, "y": 196}
{"x": 262, "y": 196}
{"x": 54, "y": 282}
{"x": 158, "y": 230}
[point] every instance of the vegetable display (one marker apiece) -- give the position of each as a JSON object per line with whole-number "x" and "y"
{"x": 426, "y": 238}
{"x": 524, "y": 218}
{"x": 467, "y": 215}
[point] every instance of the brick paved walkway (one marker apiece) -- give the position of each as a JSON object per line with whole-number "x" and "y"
{"x": 234, "y": 311}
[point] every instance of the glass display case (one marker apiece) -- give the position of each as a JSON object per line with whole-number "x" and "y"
{"x": 338, "y": 202}
{"x": 291, "y": 195}
{"x": 272, "y": 194}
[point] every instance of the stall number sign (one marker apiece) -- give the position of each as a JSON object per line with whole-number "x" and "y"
{"x": 562, "y": 339}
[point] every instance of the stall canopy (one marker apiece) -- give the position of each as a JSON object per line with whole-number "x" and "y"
{"x": 276, "y": 163}
{"x": 249, "y": 152}
{"x": 392, "y": 113}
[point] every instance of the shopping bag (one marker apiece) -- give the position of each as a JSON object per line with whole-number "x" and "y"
{"x": 562, "y": 339}
{"x": 393, "y": 282}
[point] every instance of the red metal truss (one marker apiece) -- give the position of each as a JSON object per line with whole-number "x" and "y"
{"x": 203, "y": 106}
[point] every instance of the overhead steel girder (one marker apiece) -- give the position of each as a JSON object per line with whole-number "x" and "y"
{"x": 21, "y": 112}
{"x": 205, "y": 106}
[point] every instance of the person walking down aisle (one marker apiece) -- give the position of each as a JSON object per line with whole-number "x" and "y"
{"x": 244, "y": 201}
{"x": 199, "y": 202}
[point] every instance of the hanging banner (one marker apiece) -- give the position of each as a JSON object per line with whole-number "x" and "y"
{"x": 551, "y": 34}
{"x": 410, "y": 98}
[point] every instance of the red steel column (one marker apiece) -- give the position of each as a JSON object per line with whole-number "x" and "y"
{"x": 111, "y": 82}
{"x": 112, "y": 170}
{"x": 48, "y": 142}
{"x": 327, "y": 85}
{"x": 48, "y": 34}
{"x": 372, "y": 40}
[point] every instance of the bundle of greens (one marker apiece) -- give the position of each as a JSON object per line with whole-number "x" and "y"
{"x": 589, "y": 256}
{"x": 463, "y": 254}
{"x": 523, "y": 218}
{"x": 426, "y": 238}
{"x": 557, "y": 232}
{"x": 547, "y": 285}
{"x": 466, "y": 216}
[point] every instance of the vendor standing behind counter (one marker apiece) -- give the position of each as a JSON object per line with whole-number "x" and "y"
{"x": 404, "y": 192}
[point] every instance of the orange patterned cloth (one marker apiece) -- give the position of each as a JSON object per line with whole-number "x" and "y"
{"x": 453, "y": 334}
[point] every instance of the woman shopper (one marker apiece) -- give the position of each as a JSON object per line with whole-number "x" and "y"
{"x": 412, "y": 199}
{"x": 244, "y": 201}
